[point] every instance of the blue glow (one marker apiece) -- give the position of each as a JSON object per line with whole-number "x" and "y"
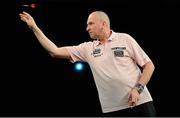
{"x": 79, "y": 66}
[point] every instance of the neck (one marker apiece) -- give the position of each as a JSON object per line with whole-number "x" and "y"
{"x": 105, "y": 36}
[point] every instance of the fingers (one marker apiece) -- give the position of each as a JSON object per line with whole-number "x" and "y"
{"x": 23, "y": 17}
{"x": 133, "y": 98}
{"x": 24, "y": 14}
{"x": 132, "y": 101}
{"x": 132, "y": 104}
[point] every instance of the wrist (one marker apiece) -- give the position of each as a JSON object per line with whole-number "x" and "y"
{"x": 139, "y": 87}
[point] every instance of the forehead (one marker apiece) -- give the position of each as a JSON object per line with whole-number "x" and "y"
{"x": 92, "y": 18}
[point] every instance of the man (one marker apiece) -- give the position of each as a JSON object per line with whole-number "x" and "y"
{"x": 114, "y": 59}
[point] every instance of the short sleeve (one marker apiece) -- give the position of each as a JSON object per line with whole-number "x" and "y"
{"x": 77, "y": 53}
{"x": 137, "y": 53}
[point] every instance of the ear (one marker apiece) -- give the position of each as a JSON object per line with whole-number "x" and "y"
{"x": 104, "y": 23}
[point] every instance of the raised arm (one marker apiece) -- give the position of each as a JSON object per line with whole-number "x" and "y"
{"x": 54, "y": 51}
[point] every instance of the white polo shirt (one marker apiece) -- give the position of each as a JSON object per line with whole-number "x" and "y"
{"x": 114, "y": 67}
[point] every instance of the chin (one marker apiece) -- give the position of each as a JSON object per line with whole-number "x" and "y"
{"x": 93, "y": 37}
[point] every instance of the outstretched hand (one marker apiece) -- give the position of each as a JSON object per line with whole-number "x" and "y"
{"x": 28, "y": 19}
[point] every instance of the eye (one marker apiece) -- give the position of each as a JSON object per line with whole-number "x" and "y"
{"x": 90, "y": 23}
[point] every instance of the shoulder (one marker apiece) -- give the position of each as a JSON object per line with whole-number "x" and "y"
{"x": 123, "y": 36}
{"x": 86, "y": 44}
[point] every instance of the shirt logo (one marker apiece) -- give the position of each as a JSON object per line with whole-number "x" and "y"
{"x": 97, "y": 52}
{"x": 118, "y": 51}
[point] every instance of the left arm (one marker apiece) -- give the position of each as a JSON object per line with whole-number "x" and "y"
{"x": 147, "y": 72}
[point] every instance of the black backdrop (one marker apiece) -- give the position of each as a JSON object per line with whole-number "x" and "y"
{"x": 34, "y": 84}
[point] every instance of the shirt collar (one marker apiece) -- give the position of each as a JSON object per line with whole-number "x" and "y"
{"x": 109, "y": 39}
{"x": 112, "y": 36}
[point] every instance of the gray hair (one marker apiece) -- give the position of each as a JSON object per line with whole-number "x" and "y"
{"x": 102, "y": 16}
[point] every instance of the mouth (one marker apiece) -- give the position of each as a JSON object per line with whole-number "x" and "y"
{"x": 90, "y": 32}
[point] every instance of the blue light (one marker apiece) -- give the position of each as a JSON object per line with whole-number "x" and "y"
{"x": 79, "y": 66}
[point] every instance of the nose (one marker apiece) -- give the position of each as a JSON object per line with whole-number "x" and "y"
{"x": 87, "y": 28}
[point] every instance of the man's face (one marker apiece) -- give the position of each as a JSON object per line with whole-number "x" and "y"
{"x": 94, "y": 26}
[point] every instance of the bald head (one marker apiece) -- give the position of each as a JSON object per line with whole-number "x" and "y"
{"x": 98, "y": 25}
{"x": 102, "y": 16}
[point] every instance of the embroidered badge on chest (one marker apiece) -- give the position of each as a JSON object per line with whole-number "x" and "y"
{"x": 118, "y": 51}
{"x": 97, "y": 52}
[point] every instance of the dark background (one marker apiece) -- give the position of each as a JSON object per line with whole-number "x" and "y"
{"x": 34, "y": 84}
